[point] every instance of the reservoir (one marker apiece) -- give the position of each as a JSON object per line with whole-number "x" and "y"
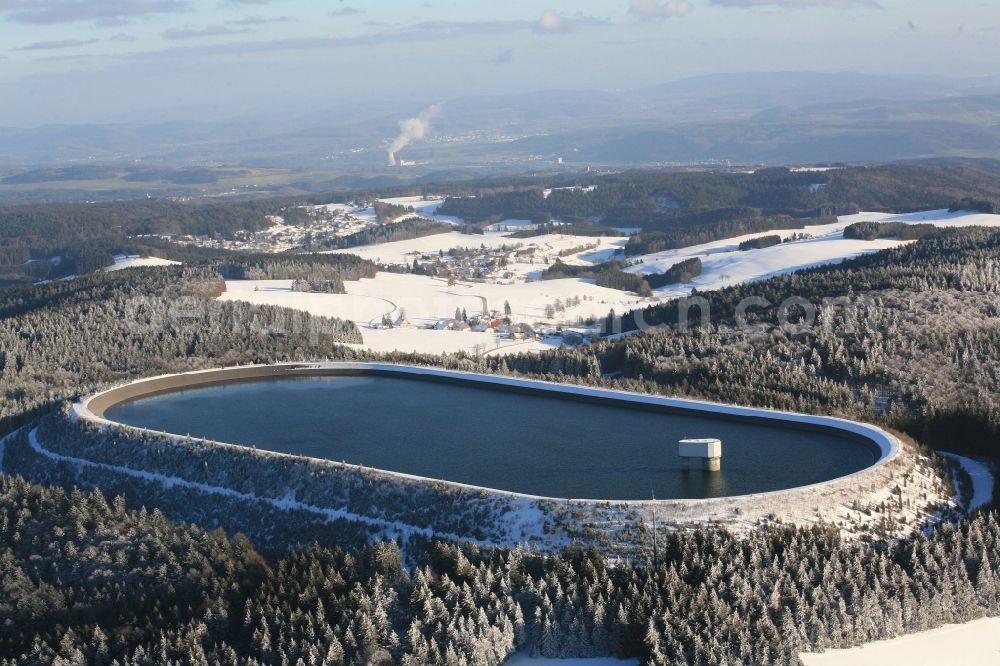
{"x": 530, "y": 443}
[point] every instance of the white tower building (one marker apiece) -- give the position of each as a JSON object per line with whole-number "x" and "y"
{"x": 709, "y": 451}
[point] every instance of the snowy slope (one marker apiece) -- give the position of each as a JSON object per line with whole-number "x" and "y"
{"x": 399, "y": 252}
{"x": 132, "y": 261}
{"x": 981, "y": 476}
{"x": 426, "y": 300}
{"x": 974, "y": 644}
{"x": 426, "y": 208}
{"x": 724, "y": 264}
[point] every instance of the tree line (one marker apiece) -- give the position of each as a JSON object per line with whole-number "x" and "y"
{"x": 610, "y": 274}
{"x": 649, "y": 242}
{"x": 760, "y": 242}
{"x": 900, "y": 230}
{"x": 385, "y": 233}
{"x": 670, "y": 201}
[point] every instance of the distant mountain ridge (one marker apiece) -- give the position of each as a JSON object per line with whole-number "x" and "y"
{"x": 754, "y": 117}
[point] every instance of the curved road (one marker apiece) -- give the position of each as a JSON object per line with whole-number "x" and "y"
{"x": 386, "y": 300}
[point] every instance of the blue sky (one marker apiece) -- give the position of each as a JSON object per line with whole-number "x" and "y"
{"x": 112, "y": 60}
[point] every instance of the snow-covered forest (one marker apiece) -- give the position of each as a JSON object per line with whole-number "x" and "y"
{"x": 142, "y": 575}
{"x": 127, "y": 585}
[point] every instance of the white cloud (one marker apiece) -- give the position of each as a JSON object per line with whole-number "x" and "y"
{"x": 260, "y": 20}
{"x": 429, "y": 31}
{"x": 346, "y": 11}
{"x": 106, "y": 12}
{"x": 553, "y": 23}
{"x": 550, "y": 22}
{"x": 796, "y": 4}
{"x": 208, "y": 31}
{"x": 60, "y": 44}
{"x": 651, "y": 9}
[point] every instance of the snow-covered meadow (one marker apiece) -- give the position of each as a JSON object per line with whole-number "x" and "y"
{"x": 723, "y": 264}
{"x": 425, "y": 207}
{"x": 123, "y": 261}
{"x": 549, "y": 246}
{"x": 976, "y": 643}
{"x": 422, "y": 301}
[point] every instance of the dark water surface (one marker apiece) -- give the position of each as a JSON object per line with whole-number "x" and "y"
{"x": 511, "y": 441}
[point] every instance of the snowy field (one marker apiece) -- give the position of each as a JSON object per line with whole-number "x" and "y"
{"x": 422, "y": 207}
{"x": 974, "y": 644}
{"x": 426, "y": 208}
{"x": 548, "y": 245}
{"x": 723, "y": 264}
{"x": 574, "y": 188}
{"x": 132, "y": 261}
{"x": 423, "y": 301}
{"x": 512, "y": 225}
{"x": 399, "y": 252}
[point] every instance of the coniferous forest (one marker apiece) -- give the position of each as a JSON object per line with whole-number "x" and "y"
{"x": 89, "y": 580}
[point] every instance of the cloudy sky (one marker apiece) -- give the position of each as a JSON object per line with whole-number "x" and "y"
{"x": 136, "y": 60}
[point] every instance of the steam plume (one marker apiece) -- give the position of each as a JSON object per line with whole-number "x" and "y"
{"x": 412, "y": 129}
